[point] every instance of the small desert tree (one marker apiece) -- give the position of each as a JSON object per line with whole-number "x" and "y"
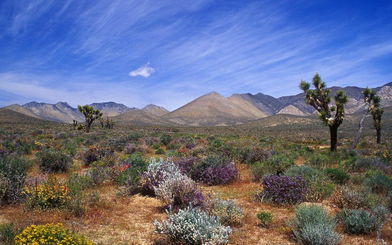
{"x": 377, "y": 112}
{"x": 368, "y": 96}
{"x": 90, "y": 115}
{"x": 320, "y": 99}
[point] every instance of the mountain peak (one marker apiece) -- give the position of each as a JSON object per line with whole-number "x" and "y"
{"x": 155, "y": 110}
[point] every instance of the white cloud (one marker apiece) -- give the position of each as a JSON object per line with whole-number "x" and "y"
{"x": 144, "y": 71}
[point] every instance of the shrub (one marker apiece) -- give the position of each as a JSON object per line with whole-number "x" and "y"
{"x": 77, "y": 183}
{"x": 179, "y": 191}
{"x": 260, "y": 170}
{"x": 320, "y": 159}
{"x": 280, "y": 162}
{"x": 227, "y": 211}
{"x": 365, "y": 164}
{"x": 160, "y": 151}
{"x": 50, "y": 194}
{"x": 265, "y": 218}
{"x": 337, "y": 175}
{"x": 130, "y": 148}
{"x": 358, "y": 221}
{"x": 95, "y": 153}
{"x": 54, "y": 161}
{"x": 313, "y": 226}
{"x": 319, "y": 186}
{"x": 12, "y": 178}
{"x": 186, "y": 165}
{"x": 353, "y": 198}
{"x": 253, "y": 155}
{"x": 97, "y": 175}
{"x": 7, "y": 233}
{"x": 218, "y": 175}
{"x": 4, "y": 186}
{"x": 378, "y": 183}
{"x": 165, "y": 139}
{"x": 284, "y": 189}
{"x": 157, "y": 172}
{"x": 49, "y": 234}
{"x": 214, "y": 170}
{"x": 194, "y": 226}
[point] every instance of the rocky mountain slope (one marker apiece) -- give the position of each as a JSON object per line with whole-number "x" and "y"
{"x": 111, "y": 109}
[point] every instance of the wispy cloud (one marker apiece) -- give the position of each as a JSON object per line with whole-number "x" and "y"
{"x": 143, "y": 71}
{"x": 83, "y": 51}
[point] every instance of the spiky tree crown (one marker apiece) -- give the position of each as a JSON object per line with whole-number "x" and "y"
{"x": 89, "y": 112}
{"x": 320, "y": 99}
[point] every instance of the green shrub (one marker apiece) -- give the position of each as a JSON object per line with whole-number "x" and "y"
{"x": 260, "y": 170}
{"x": 265, "y": 218}
{"x": 337, "y": 175}
{"x": 53, "y": 161}
{"x": 319, "y": 186}
{"x": 379, "y": 183}
{"x": 7, "y": 234}
{"x": 13, "y": 174}
{"x": 97, "y": 175}
{"x": 276, "y": 164}
{"x": 166, "y": 139}
{"x": 227, "y": 211}
{"x": 321, "y": 159}
{"x": 358, "y": 221}
{"x": 160, "y": 151}
{"x": 78, "y": 183}
{"x": 313, "y": 226}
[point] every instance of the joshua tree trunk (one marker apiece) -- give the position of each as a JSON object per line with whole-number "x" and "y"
{"x": 361, "y": 124}
{"x": 378, "y": 130}
{"x": 333, "y": 130}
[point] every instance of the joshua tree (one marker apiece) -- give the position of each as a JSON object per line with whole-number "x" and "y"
{"x": 90, "y": 115}
{"x": 320, "y": 98}
{"x": 368, "y": 96}
{"x": 377, "y": 112}
{"x": 108, "y": 124}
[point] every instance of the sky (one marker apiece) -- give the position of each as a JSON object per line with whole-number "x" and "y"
{"x": 169, "y": 52}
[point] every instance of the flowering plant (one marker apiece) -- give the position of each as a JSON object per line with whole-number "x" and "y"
{"x": 49, "y": 234}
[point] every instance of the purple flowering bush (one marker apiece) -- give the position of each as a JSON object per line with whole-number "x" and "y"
{"x": 284, "y": 189}
{"x": 186, "y": 164}
{"x": 214, "y": 171}
{"x": 218, "y": 175}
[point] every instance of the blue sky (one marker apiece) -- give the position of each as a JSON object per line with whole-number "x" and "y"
{"x": 165, "y": 52}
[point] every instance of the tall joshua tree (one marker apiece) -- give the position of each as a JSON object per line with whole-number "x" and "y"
{"x": 90, "y": 115}
{"x": 377, "y": 112}
{"x": 368, "y": 97}
{"x": 320, "y": 99}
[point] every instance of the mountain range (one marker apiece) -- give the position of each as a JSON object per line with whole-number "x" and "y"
{"x": 211, "y": 109}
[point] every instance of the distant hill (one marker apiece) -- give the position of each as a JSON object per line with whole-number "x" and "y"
{"x": 59, "y": 112}
{"x": 211, "y": 109}
{"x": 295, "y": 104}
{"x": 140, "y": 117}
{"x": 155, "y": 110}
{"x": 214, "y": 109}
{"x": 14, "y": 117}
